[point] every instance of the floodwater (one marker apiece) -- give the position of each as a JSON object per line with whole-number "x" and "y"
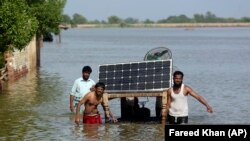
{"x": 215, "y": 62}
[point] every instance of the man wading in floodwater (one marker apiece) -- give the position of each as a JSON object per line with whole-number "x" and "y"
{"x": 91, "y": 114}
{"x": 177, "y": 104}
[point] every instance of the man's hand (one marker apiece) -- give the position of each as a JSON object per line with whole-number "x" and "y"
{"x": 209, "y": 109}
{"x": 114, "y": 120}
{"x": 72, "y": 108}
{"x": 77, "y": 120}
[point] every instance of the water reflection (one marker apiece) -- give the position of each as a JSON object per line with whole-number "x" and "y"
{"x": 121, "y": 132}
{"x": 24, "y": 103}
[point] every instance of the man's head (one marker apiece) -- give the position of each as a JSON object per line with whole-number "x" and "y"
{"x": 99, "y": 88}
{"x": 178, "y": 77}
{"x": 86, "y": 71}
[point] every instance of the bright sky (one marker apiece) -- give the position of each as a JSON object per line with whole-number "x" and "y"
{"x": 156, "y": 9}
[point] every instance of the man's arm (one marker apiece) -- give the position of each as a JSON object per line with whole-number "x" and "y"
{"x": 111, "y": 115}
{"x": 71, "y": 103}
{"x": 168, "y": 98}
{"x": 72, "y": 96}
{"x": 114, "y": 119}
{"x": 199, "y": 98}
{"x": 77, "y": 115}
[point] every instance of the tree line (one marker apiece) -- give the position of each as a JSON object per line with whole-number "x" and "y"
{"x": 21, "y": 20}
{"x": 197, "y": 18}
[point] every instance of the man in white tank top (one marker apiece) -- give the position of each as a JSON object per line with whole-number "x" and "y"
{"x": 177, "y": 104}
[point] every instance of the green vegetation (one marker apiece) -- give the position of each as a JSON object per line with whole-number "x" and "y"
{"x": 48, "y": 13}
{"x": 21, "y": 20}
{"x": 197, "y": 18}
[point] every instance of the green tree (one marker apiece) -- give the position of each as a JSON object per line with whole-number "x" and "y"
{"x": 49, "y": 16}
{"x": 94, "y": 22}
{"x": 199, "y": 18}
{"x": 79, "y": 19}
{"x": 131, "y": 20}
{"x": 17, "y": 26}
{"x": 66, "y": 19}
{"x": 178, "y": 19}
{"x": 48, "y": 13}
{"x": 21, "y": 20}
{"x": 210, "y": 17}
{"x": 114, "y": 20}
{"x": 148, "y": 21}
{"x": 245, "y": 19}
{"x": 162, "y": 21}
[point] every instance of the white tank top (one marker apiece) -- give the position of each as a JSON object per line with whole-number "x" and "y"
{"x": 179, "y": 104}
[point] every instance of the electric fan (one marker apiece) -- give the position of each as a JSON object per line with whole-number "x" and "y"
{"x": 158, "y": 53}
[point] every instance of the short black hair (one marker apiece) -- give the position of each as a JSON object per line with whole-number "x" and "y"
{"x": 100, "y": 84}
{"x": 86, "y": 69}
{"x": 178, "y": 73}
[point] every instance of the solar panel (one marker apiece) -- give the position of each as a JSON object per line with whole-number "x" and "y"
{"x": 136, "y": 76}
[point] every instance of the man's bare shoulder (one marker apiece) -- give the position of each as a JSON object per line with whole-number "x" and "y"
{"x": 88, "y": 95}
{"x": 188, "y": 88}
{"x": 169, "y": 90}
{"x": 91, "y": 93}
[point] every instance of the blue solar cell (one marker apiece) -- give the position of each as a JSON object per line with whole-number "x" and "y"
{"x": 158, "y": 71}
{"x": 111, "y": 68}
{"x": 102, "y": 75}
{"x": 149, "y": 86}
{"x": 150, "y": 72}
{"x": 102, "y": 68}
{"x": 109, "y": 87}
{"x": 125, "y": 87}
{"x": 142, "y": 79}
{"x": 141, "y": 86}
{"x": 133, "y": 86}
{"x": 118, "y": 67}
{"x": 110, "y": 74}
{"x": 149, "y": 79}
{"x": 142, "y": 72}
{"x": 134, "y": 66}
{"x": 157, "y": 78}
{"x": 165, "y": 84}
{"x": 142, "y": 65}
{"x": 158, "y": 64}
{"x": 126, "y": 80}
{"x": 118, "y": 74}
{"x": 118, "y": 87}
{"x": 126, "y": 67}
{"x": 134, "y": 73}
{"x": 150, "y": 65}
{"x": 110, "y": 81}
{"x": 118, "y": 81}
{"x": 126, "y": 73}
{"x": 157, "y": 85}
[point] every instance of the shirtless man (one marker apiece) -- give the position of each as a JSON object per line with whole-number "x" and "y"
{"x": 177, "y": 104}
{"x": 91, "y": 101}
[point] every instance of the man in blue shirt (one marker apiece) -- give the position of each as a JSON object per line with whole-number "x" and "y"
{"x": 81, "y": 87}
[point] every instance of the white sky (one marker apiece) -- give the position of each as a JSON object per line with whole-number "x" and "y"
{"x": 156, "y": 9}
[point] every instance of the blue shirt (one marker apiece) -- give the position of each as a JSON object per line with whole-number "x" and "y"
{"x": 81, "y": 88}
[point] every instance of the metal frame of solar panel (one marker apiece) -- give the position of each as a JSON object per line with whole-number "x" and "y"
{"x": 146, "y": 76}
